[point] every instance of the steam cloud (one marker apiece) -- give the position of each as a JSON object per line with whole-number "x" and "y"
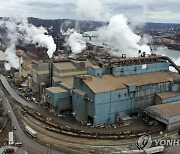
{"x": 34, "y": 35}
{"x": 95, "y": 10}
{"x": 75, "y": 41}
{"x": 117, "y": 33}
{"x": 12, "y": 36}
{"x": 21, "y": 30}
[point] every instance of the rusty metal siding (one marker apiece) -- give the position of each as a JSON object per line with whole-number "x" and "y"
{"x": 80, "y": 106}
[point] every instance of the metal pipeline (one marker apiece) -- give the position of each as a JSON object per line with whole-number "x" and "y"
{"x": 145, "y": 59}
{"x": 172, "y": 63}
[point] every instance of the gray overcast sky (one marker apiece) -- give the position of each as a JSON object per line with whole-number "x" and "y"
{"x": 134, "y": 10}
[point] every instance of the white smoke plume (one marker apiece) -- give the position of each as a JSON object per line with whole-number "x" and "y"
{"x": 12, "y": 36}
{"x": 19, "y": 29}
{"x": 117, "y": 33}
{"x": 7, "y": 66}
{"x": 34, "y": 35}
{"x": 75, "y": 41}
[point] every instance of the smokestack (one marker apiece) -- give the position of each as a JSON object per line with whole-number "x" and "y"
{"x": 20, "y": 53}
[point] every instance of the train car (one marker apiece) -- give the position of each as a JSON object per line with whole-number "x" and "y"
{"x": 11, "y": 138}
{"x": 38, "y": 114}
{"x": 51, "y": 124}
{"x": 30, "y": 131}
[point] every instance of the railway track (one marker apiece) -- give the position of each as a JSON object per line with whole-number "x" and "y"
{"x": 66, "y": 130}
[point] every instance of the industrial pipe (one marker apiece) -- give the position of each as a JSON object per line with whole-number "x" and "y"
{"x": 172, "y": 63}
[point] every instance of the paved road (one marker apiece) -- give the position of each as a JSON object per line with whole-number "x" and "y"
{"x": 34, "y": 106}
{"x": 22, "y": 101}
{"x": 28, "y": 142}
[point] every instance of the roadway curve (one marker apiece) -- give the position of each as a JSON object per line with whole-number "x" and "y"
{"x": 31, "y": 105}
{"x": 28, "y": 142}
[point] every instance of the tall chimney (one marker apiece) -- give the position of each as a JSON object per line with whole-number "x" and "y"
{"x": 20, "y": 53}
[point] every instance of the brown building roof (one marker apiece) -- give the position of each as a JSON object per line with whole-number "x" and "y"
{"x": 66, "y": 80}
{"x": 79, "y": 92}
{"x": 65, "y": 66}
{"x": 56, "y": 90}
{"x": 165, "y": 110}
{"x": 110, "y": 82}
{"x": 168, "y": 94}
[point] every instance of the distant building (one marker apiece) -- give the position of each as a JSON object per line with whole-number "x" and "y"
{"x": 40, "y": 78}
{"x": 44, "y": 75}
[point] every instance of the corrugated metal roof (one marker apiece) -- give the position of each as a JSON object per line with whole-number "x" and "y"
{"x": 64, "y": 66}
{"x": 168, "y": 94}
{"x": 165, "y": 110}
{"x": 66, "y": 80}
{"x": 95, "y": 67}
{"x": 110, "y": 82}
{"x": 79, "y": 92}
{"x": 56, "y": 89}
{"x": 87, "y": 62}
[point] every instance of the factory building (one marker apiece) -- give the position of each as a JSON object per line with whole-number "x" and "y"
{"x": 63, "y": 72}
{"x": 46, "y": 74}
{"x": 166, "y": 113}
{"x": 40, "y": 78}
{"x": 128, "y": 89}
{"x": 62, "y": 78}
{"x": 58, "y": 99}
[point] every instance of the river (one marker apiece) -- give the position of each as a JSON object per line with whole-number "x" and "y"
{"x": 173, "y": 54}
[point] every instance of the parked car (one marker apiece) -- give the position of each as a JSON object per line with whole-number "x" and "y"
{"x": 14, "y": 128}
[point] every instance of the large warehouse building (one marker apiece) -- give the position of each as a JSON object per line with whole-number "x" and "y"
{"x": 45, "y": 74}
{"x": 168, "y": 114}
{"x": 128, "y": 87}
{"x": 128, "y": 90}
